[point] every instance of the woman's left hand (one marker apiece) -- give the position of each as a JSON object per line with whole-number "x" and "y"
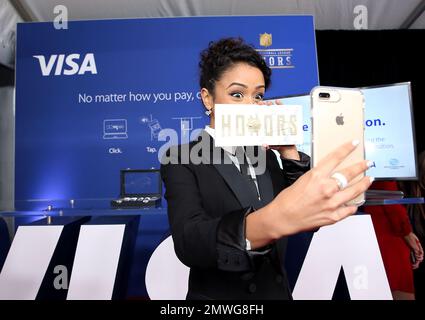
{"x": 415, "y": 246}
{"x": 286, "y": 151}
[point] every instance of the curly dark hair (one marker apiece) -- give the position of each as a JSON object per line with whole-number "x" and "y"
{"x": 222, "y": 55}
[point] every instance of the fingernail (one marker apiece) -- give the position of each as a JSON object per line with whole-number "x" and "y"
{"x": 355, "y": 143}
{"x": 371, "y": 179}
{"x": 369, "y": 164}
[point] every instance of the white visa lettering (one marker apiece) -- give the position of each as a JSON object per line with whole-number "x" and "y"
{"x": 67, "y": 64}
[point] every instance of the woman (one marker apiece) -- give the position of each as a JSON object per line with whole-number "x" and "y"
{"x": 417, "y": 216}
{"x": 230, "y": 225}
{"x": 396, "y": 242}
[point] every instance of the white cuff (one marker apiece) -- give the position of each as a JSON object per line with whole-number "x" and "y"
{"x": 247, "y": 244}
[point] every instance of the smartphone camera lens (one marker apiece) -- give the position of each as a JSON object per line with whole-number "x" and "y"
{"x": 324, "y": 95}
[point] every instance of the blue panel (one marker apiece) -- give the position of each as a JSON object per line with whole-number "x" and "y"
{"x": 70, "y": 148}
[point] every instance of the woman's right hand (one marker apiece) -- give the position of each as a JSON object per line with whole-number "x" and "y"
{"x": 315, "y": 200}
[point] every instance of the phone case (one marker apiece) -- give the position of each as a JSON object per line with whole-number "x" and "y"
{"x": 338, "y": 117}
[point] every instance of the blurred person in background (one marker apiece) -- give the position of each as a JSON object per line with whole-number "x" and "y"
{"x": 400, "y": 248}
{"x": 416, "y": 214}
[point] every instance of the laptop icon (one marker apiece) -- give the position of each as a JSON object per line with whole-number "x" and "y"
{"x": 115, "y": 129}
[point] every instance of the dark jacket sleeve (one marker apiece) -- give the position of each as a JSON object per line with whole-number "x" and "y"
{"x": 200, "y": 240}
{"x": 291, "y": 169}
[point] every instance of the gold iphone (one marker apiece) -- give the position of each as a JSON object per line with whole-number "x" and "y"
{"x": 338, "y": 117}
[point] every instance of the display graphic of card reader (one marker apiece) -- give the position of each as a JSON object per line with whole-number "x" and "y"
{"x": 139, "y": 189}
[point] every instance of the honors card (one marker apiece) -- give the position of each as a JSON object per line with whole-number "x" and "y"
{"x": 255, "y": 125}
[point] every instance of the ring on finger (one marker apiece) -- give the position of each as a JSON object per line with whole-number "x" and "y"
{"x": 341, "y": 180}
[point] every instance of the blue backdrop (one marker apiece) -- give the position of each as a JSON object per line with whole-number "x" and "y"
{"x": 92, "y": 99}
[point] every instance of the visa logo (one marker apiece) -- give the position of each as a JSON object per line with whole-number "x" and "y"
{"x": 67, "y": 64}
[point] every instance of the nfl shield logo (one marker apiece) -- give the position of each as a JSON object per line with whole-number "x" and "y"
{"x": 265, "y": 39}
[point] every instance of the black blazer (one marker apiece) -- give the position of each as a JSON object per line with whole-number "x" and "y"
{"x": 207, "y": 206}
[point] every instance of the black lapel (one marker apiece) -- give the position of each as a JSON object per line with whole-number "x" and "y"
{"x": 225, "y": 167}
